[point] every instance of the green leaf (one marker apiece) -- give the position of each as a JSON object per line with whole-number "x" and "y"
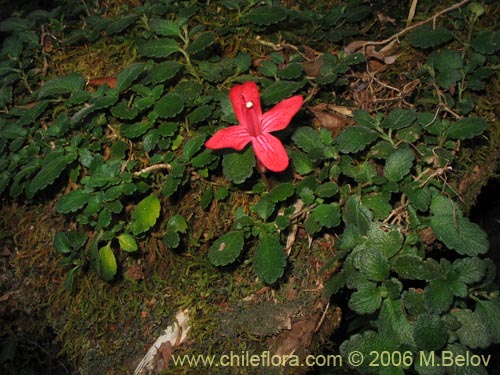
{"x": 122, "y": 111}
{"x": 145, "y": 214}
{"x": 51, "y": 169}
{"x": 206, "y": 198}
{"x": 355, "y": 138}
{"x": 164, "y": 27}
{"x": 307, "y": 139}
{"x": 327, "y": 215}
{"x": 162, "y": 47}
{"x": 202, "y": 42}
{"x": 171, "y": 239}
{"x": 264, "y": 207}
{"x": 226, "y": 249}
{"x": 279, "y": 91}
{"x": 366, "y": 299}
{"x": 426, "y": 36}
{"x": 438, "y": 296}
{"x": 30, "y": 115}
{"x": 281, "y": 192}
{"x": 379, "y": 204}
{"x": 410, "y": 266}
{"x": 333, "y": 285}
{"x": 459, "y": 234}
{"x": 327, "y": 190}
{"x": 169, "y": 105}
{"x": 468, "y": 127}
{"x": 356, "y": 215}
{"x": 372, "y": 263}
{"x": 270, "y": 259}
{"x": 266, "y": 15}
{"x": 177, "y": 223}
{"x": 120, "y": 23}
{"x": 488, "y": 312}
{"x": 163, "y": 72}
{"x": 398, "y": 164}
{"x": 291, "y": 71}
{"x": 127, "y": 76}
{"x": 429, "y": 332}
{"x": 193, "y": 146}
{"x": 69, "y": 242}
{"x": 486, "y": 42}
{"x": 107, "y": 263}
{"x": 72, "y": 201}
{"x": 200, "y": 114}
{"x": 60, "y": 86}
{"x": 399, "y": 118}
{"x": 127, "y": 242}
{"x": 363, "y": 118}
{"x": 238, "y": 166}
{"x": 473, "y": 331}
{"x": 387, "y": 239}
{"x": 442, "y": 205}
{"x": 392, "y": 322}
{"x": 470, "y": 270}
{"x": 419, "y": 196}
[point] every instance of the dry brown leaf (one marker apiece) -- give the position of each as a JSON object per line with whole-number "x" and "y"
{"x": 326, "y": 118}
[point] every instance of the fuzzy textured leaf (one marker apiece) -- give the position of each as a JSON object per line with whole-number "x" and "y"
{"x": 62, "y": 86}
{"x": 460, "y": 234}
{"x": 169, "y": 105}
{"x": 355, "y": 138}
{"x": 270, "y": 259}
{"x": 128, "y": 75}
{"x": 266, "y": 15}
{"x": 279, "y": 91}
{"x": 429, "y": 332}
{"x": 72, "y": 201}
{"x": 127, "y": 242}
{"x": 162, "y": 47}
{"x": 398, "y": 164}
{"x": 238, "y": 166}
{"x": 366, "y": 299}
{"x": 202, "y": 42}
{"x": 52, "y": 168}
{"x": 393, "y": 322}
{"x": 226, "y": 249}
{"x": 468, "y": 127}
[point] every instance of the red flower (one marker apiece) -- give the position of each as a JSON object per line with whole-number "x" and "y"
{"x": 255, "y": 126}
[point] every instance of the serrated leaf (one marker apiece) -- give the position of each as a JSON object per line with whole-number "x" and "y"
{"x": 122, "y": 111}
{"x": 68, "y": 242}
{"x": 238, "y": 166}
{"x": 372, "y": 263}
{"x": 438, "y": 296}
{"x": 486, "y": 42}
{"x": 392, "y": 322}
{"x": 355, "y": 138}
{"x": 419, "y": 196}
{"x": 270, "y": 259}
{"x": 145, "y": 214}
{"x": 327, "y": 190}
{"x": 266, "y": 15}
{"x": 489, "y": 313}
{"x": 429, "y": 332}
{"x": 169, "y": 105}
{"x": 127, "y": 76}
{"x": 473, "y": 331}
{"x": 327, "y": 215}
{"x": 334, "y": 284}
{"x": 399, "y": 118}
{"x": 279, "y": 91}
{"x": 426, "y": 36}
{"x": 410, "y": 266}
{"x": 164, "y": 27}
{"x": 379, "y": 204}
{"x": 202, "y": 42}
{"x": 468, "y": 127}
{"x": 470, "y": 270}
{"x": 193, "y": 146}
{"x": 460, "y": 234}
{"x": 127, "y": 242}
{"x": 51, "y": 170}
{"x": 120, "y": 23}
{"x": 356, "y": 215}
{"x": 162, "y": 47}
{"x": 107, "y": 263}
{"x": 72, "y": 201}
{"x": 32, "y": 114}
{"x": 307, "y": 139}
{"x": 264, "y": 207}
{"x": 226, "y": 249}
{"x": 163, "y": 72}
{"x": 281, "y": 192}
{"x": 387, "y": 239}
{"x": 60, "y": 86}
{"x": 366, "y": 299}
{"x": 398, "y": 164}
{"x": 171, "y": 239}
{"x": 200, "y": 114}
{"x": 14, "y": 25}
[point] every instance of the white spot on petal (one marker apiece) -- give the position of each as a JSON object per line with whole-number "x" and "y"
{"x": 249, "y": 104}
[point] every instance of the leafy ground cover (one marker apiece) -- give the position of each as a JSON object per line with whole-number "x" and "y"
{"x": 343, "y": 227}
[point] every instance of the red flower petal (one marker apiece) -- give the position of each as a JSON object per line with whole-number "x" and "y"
{"x": 245, "y": 99}
{"x": 270, "y": 152}
{"x": 235, "y": 137}
{"x": 278, "y": 117}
